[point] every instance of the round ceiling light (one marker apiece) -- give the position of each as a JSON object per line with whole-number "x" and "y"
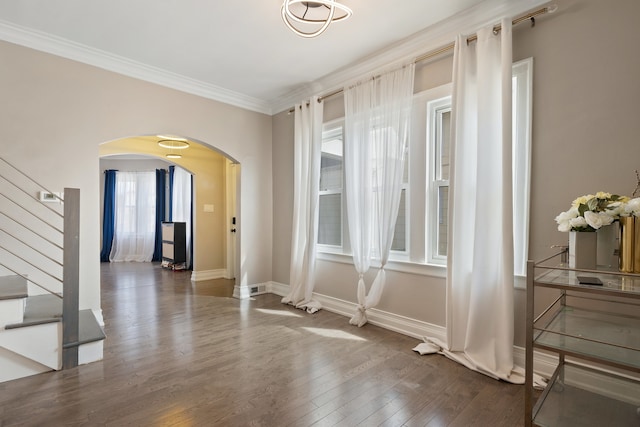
{"x": 317, "y": 14}
{"x": 173, "y": 144}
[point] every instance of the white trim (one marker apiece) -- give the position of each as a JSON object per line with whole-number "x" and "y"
{"x": 393, "y": 322}
{"x": 243, "y": 292}
{"x": 435, "y": 107}
{"x": 118, "y": 64}
{"x": 543, "y": 363}
{"x": 220, "y": 273}
{"x": 410, "y": 267}
{"x": 523, "y": 71}
{"x": 278, "y": 288}
{"x": 90, "y": 352}
{"x": 231, "y": 216}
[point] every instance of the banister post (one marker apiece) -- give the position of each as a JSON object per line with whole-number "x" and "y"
{"x": 71, "y": 278}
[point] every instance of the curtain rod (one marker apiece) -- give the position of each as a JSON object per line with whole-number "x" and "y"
{"x": 529, "y": 16}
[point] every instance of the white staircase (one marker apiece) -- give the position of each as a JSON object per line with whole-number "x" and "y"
{"x": 41, "y": 327}
{"x": 31, "y": 332}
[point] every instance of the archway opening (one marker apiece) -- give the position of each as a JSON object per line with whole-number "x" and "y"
{"x": 215, "y": 194}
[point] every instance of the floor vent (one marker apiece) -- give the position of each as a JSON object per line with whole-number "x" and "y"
{"x": 258, "y": 289}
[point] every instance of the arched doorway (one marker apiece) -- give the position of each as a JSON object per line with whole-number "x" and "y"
{"x": 215, "y": 196}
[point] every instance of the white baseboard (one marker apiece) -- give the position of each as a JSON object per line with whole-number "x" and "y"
{"x": 90, "y": 352}
{"x": 401, "y": 324}
{"x": 242, "y": 292}
{"x": 544, "y": 364}
{"x": 220, "y": 273}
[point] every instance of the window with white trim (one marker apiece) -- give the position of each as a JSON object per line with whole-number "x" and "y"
{"x": 421, "y": 228}
{"x": 438, "y": 138}
{"x": 438, "y": 123}
{"x": 400, "y": 243}
{"x": 330, "y": 206}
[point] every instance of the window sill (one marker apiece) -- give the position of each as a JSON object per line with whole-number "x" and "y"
{"x": 430, "y": 270}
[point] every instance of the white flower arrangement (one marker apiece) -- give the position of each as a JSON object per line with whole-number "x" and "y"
{"x": 591, "y": 212}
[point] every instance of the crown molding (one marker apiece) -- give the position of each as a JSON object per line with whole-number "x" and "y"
{"x": 81, "y": 53}
{"x": 431, "y": 38}
{"x": 427, "y": 40}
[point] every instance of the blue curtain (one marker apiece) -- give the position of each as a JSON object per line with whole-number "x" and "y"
{"x": 161, "y": 179}
{"x": 172, "y": 170}
{"x": 109, "y": 213}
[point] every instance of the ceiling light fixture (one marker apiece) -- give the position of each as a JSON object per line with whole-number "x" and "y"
{"x": 174, "y": 144}
{"x": 318, "y": 14}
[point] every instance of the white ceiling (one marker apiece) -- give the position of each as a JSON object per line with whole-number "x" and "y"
{"x": 234, "y": 51}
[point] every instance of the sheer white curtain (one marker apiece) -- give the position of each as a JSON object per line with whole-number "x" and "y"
{"x": 306, "y": 185}
{"x": 135, "y": 217}
{"x": 377, "y": 114}
{"x": 181, "y": 203}
{"x": 480, "y": 253}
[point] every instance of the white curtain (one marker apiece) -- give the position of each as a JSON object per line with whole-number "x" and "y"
{"x": 480, "y": 251}
{"x": 135, "y": 217}
{"x": 181, "y": 203}
{"x": 306, "y": 185}
{"x": 377, "y": 114}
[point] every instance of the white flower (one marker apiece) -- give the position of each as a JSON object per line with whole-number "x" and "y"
{"x": 632, "y": 207}
{"x": 615, "y": 209}
{"x": 564, "y": 226}
{"x": 564, "y": 219}
{"x": 578, "y": 222}
{"x": 597, "y": 220}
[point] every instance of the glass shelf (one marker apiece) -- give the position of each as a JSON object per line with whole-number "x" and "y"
{"x": 610, "y": 337}
{"x": 585, "y": 397}
{"x": 629, "y": 285}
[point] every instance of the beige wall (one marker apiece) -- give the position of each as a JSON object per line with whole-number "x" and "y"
{"x": 585, "y": 119}
{"x": 282, "y": 194}
{"x": 585, "y": 139}
{"x": 56, "y": 112}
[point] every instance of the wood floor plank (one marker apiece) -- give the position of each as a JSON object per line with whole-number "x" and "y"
{"x": 185, "y": 354}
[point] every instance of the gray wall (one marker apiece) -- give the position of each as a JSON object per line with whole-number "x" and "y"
{"x": 585, "y": 139}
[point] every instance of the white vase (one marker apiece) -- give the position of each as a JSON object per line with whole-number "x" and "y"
{"x": 607, "y": 246}
{"x": 583, "y": 249}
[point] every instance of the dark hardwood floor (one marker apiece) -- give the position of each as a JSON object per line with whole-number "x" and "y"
{"x": 183, "y": 354}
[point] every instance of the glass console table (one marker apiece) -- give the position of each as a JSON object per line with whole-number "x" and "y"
{"x": 594, "y": 329}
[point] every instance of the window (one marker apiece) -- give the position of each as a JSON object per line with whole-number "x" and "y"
{"x": 438, "y": 138}
{"x": 521, "y": 98}
{"x": 400, "y": 243}
{"x": 330, "y": 212}
{"x": 438, "y": 123}
{"x": 421, "y": 227}
{"x": 134, "y": 219}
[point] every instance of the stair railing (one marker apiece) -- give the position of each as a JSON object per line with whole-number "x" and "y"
{"x": 43, "y": 238}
